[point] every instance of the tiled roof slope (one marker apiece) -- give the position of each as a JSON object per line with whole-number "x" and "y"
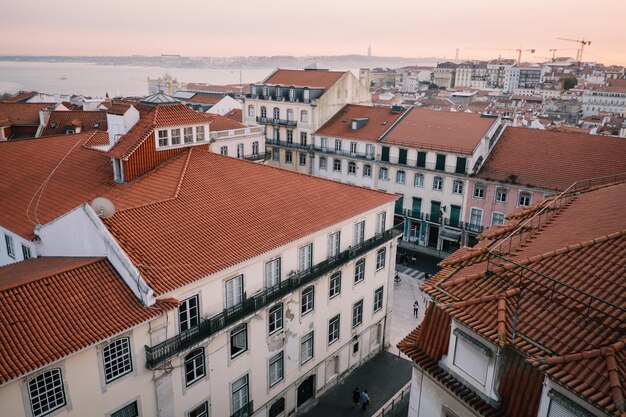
{"x": 431, "y": 129}
{"x": 226, "y": 211}
{"x": 53, "y": 307}
{"x": 568, "y": 274}
{"x": 219, "y": 122}
{"x": 304, "y": 78}
{"x": 154, "y": 117}
{"x": 62, "y": 119}
{"x": 380, "y": 119}
{"x": 26, "y": 164}
{"x": 552, "y": 159}
{"x": 22, "y": 113}
{"x": 235, "y": 114}
{"x": 21, "y": 96}
{"x": 202, "y": 99}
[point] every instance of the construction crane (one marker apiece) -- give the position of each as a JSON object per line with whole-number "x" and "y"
{"x": 561, "y": 49}
{"x": 518, "y": 50}
{"x": 583, "y": 42}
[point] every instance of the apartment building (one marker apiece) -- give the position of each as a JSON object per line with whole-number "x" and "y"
{"x": 530, "y": 321}
{"x": 196, "y": 284}
{"x": 524, "y": 76}
{"x": 444, "y": 74}
{"x": 522, "y": 169}
{"x": 609, "y": 99}
{"x": 425, "y": 157}
{"x": 293, "y": 104}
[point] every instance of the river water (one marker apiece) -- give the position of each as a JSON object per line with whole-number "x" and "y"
{"x": 98, "y": 80}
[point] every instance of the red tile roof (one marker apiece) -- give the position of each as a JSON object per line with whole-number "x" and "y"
{"x": 380, "y": 119}
{"x": 222, "y": 200}
{"x": 87, "y": 120}
{"x": 96, "y": 304}
{"x": 561, "y": 286}
{"x": 154, "y": 117}
{"x": 223, "y": 89}
{"x": 235, "y": 114}
{"x": 22, "y": 113}
{"x": 219, "y": 122}
{"x": 304, "y": 78}
{"x": 552, "y": 159}
{"x": 202, "y": 99}
{"x": 429, "y": 129}
{"x": 21, "y": 96}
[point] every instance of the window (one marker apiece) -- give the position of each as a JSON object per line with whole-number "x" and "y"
{"x": 304, "y": 116}
{"x": 457, "y": 187}
{"x": 471, "y": 356}
{"x": 476, "y": 216}
{"x": 26, "y": 252}
{"x": 302, "y": 158}
{"x": 440, "y": 164}
{"x": 303, "y": 138}
{"x": 400, "y": 177}
{"x": 357, "y": 313}
{"x": 337, "y": 145}
{"x": 421, "y": 159}
{"x": 224, "y": 150}
{"x": 306, "y": 348}
{"x": 385, "y": 154}
{"x": 176, "y": 136}
{"x": 46, "y": 392}
{"x": 116, "y": 359}
{"x": 234, "y": 291}
{"x": 561, "y": 406}
{"x": 276, "y": 369}
{"x": 333, "y": 329}
{"x": 277, "y": 408}
{"x": 240, "y": 150}
{"x": 199, "y": 133}
{"x": 275, "y": 154}
{"x": 238, "y": 340}
{"x": 250, "y": 110}
{"x": 524, "y": 198}
{"x": 272, "y": 273}
{"x": 255, "y": 148}
{"x": 129, "y": 410}
{"x": 163, "y": 137}
{"x": 276, "y": 113}
{"x": 188, "y": 313}
{"x": 353, "y": 148}
{"x": 308, "y": 300}
{"x": 359, "y": 232}
{"x": 359, "y": 271}
{"x": 419, "y": 180}
{"x": 369, "y": 151}
{"x": 380, "y": 258}
{"x": 334, "y": 243}
{"x": 380, "y": 222}
{"x": 352, "y": 168}
{"x": 266, "y": 91}
{"x": 497, "y": 218}
{"x": 275, "y": 318}
{"x": 323, "y": 162}
{"x": 324, "y": 143}
{"x": 479, "y": 191}
{"x": 378, "y": 299}
{"x": 337, "y": 165}
{"x": 276, "y": 133}
{"x": 334, "y": 285}
{"x": 263, "y": 112}
{"x": 367, "y": 170}
{"x": 279, "y": 92}
{"x": 288, "y": 157}
{"x": 501, "y": 195}
{"x": 305, "y": 257}
{"x": 194, "y": 366}
{"x": 289, "y": 136}
{"x": 290, "y": 114}
{"x": 383, "y": 174}
{"x": 239, "y": 395}
{"x": 200, "y": 411}
{"x": 437, "y": 183}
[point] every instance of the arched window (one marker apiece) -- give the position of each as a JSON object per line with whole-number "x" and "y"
{"x": 46, "y": 392}
{"x": 437, "y": 183}
{"x": 116, "y": 359}
{"x": 359, "y": 271}
{"x": 289, "y": 114}
{"x": 304, "y": 116}
{"x": 334, "y": 285}
{"x": 308, "y": 300}
{"x": 276, "y": 113}
{"x": 194, "y": 366}
{"x": 263, "y": 111}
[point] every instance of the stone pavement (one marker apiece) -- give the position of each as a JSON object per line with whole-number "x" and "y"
{"x": 382, "y": 376}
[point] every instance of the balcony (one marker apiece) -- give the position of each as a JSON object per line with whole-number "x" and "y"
{"x": 430, "y": 166}
{"x": 264, "y": 156}
{"x": 245, "y": 411}
{"x": 332, "y": 151}
{"x": 177, "y": 344}
{"x": 420, "y": 215}
{"x": 286, "y": 144}
{"x": 276, "y": 122}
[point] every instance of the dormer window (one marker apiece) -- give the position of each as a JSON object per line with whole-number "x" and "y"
{"x": 266, "y": 91}
{"x": 163, "y": 138}
{"x": 175, "y": 136}
{"x": 189, "y": 135}
{"x": 279, "y": 93}
{"x": 306, "y": 95}
{"x": 292, "y": 94}
{"x": 199, "y": 133}
{"x": 471, "y": 356}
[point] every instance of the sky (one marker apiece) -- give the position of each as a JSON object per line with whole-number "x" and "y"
{"x": 480, "y": 29}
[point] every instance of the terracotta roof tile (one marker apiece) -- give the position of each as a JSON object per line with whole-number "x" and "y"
{"x": 304, "y": 78}
{"x": 21, "y": 96}
{"x": 222, "y": 89}
{"x": 429, "y": 129}
{"x": 380, "y": 119}
{"x": 202, "y": 99}
{"x": 531, "y": 155}
{"x": 88, "y": 120}
{"x": 97, "y": 304}
{"x": 22, "y": 113}
{"x": 235, "y": 114}
{"x": 242, "y": 196}
{"x": 219, "y": 122}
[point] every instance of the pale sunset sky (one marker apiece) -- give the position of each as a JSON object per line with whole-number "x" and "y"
{"x": 411, "y": 28}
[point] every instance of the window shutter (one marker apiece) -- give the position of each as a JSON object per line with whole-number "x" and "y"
{"x": 471, "y": 360}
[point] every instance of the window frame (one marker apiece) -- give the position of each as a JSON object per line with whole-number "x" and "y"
{"x": 457, "y": 187}
{"x": 351, "y": 168}
{"x": 437, "y": 183}
{"x": 202, "y": 410}
{"x": 418, "y": 180}
{"x": 307, "y": 300}
{"x": 176, "y": 135}
{"x": 233, "y": 301}
{"x": 357, "y": 313}
{"x": 381, "y": 259}
{"x": 527, "y": 195}
{"x": 234, "y": 333}
{"x": 112, "y": 357}
{"x": 359, "y": 232}
{"x": 479, "y": 188}
{"x": 275, "y": 319}
{"x": 334, "y": 285}
{"x": 163, "y": 138}
{"x": 334, "y": 329}
{"x": 192, "y": 318}
{"x": 381, "y": 220}
{"x": 26, "y": 252}
{"x": 305, "y": 257}
{"x": 334, "y": 244}
{"x": 51, "y": 392}
{"x": 272, "y": 273}
{"x": 367, "y": 170}
{"x": 307, "y": 338}
{"x": 400, "y": 176}
{"x": 359, "y": 271}
{"x": 196, "y": 360}
{"x": 323, "y": 163}
{"x": 500, "y": 192}
{"x": 383, "y": 174}
{"x": 245, "y": 385}
{"x": 337, "y": 165}
{"x": 378, "y": 298}
{"x": 278, "y": 362}
{"x": 493, "y": 217}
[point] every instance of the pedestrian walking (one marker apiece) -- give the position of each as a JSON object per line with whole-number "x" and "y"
{"x": 416, "y": 308}
{"x": 365, "y": 399}
{"x": 356, "y": 396}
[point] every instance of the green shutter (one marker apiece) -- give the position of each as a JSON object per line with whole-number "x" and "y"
{"x": 441, "y": 162}
{"x": 402, "y": 158}
{"x": 421, "y": 159}
{"x": 417, "y": 207}
{"x": 399, "y": 203}
{"x": 385, "y": 155}
{"x": 435, "y": 206}
{"x": 461, "y": 165}
{"x": 455, "y": 215}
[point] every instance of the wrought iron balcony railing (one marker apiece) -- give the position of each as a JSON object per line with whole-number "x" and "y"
{"x": 263, "y": 156}
{"x": 287, "y": 144}
{"x": 176, "y": 344}
{"x": 273, "y": 121}
{"x": 245, "y": 411}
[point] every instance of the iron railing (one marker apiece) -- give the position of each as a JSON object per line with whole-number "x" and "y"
{"x": 395, "y": 400}
{"x": 176, "y": 344}
{"x": 286, "y": 144}
{"x": 245, "y": 411}
{"x": 263, "y": 156}
{"x": 420, "y": 215}
{"x": 342, "y": 152}
{"x": 276, "y": 121}
{"x": 429, "y": 166}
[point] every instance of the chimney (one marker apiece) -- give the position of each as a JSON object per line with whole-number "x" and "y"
{"x": 120, "y": 119}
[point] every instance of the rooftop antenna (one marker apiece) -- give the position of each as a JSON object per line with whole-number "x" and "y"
{"x": 103, "y": 207}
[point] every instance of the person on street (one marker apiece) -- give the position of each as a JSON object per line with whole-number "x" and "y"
{"x": 365, "y": 399}
{"x": 416, "y": 309}
{"x": 356, "y": 396}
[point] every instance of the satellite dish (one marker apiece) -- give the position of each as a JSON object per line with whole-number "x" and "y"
{"x": 103, "y": 207}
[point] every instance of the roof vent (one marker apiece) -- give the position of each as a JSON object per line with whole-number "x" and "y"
{"x": 396, "y": 109}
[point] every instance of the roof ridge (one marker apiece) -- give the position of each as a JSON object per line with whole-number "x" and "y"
{"x": 611, "y": 349}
